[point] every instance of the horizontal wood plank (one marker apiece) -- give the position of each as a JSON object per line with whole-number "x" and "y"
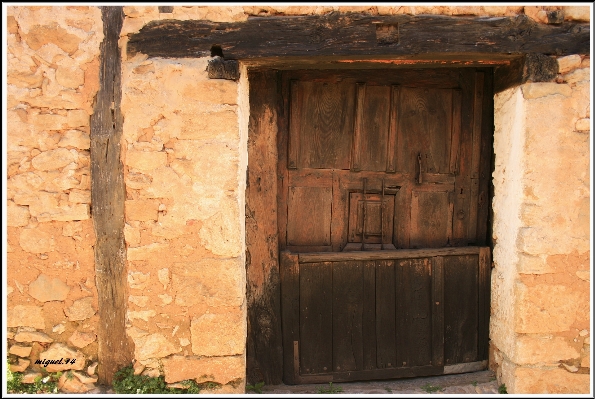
{"x": 358, "y": 34}
{"x": 313, "y": 257}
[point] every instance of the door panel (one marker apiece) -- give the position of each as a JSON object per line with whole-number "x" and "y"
{"x": 383, "y": 206}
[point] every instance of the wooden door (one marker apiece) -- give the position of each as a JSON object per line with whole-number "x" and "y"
{"x": 379, "y": 173}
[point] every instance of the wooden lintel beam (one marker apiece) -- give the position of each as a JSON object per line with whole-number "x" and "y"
{"x": 354, "y": 34}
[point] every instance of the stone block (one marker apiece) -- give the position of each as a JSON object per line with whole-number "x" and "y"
{"x": 145, "y": 160}
{"x": 17, "y": 216}
{"x": 577, "y": 13}
{"x": 25, "y": 315}
{"x": 221, "y": 125}
{"x": 221, "y": 233}
{"x": 81, "y": 339}
{"x": 30, "y": 377}
{"x": 46, "y": 289}
{"x": 58, "y": 351}
{"x": 76, "y": 139}
{"x": 81, "y": 309}
{"x": 72, "y": 385}
{"x": 32, "y": 336}
{"x": 536, "y": 90}
{"x": 138, "y": 181}
{"x": 534, "y": 349}
{"x": 583, "y": 125}
{"x": 568, "y": 63}
{"x": 21, "y": 351}
{"x": 546, "y": 308}
{"x": 549, "y": 381}
{"x": 40, "y": 35}
{"x": 153, "y": 346}
{"x": 53, "y": 159}
{"x": 140, "y": 301}
{"x": 215, "y": 282}
{"x": 216, "y": 369}
{"x": 586, "y": 360}
{"x": 36, "y": 241}
{"x": 142, "y": 315}
{"x": 85, "y": 379}
{"x": 218, "y": 334}
{"x": 20, "y": 366}
{"x": 141, "y": 210}
{"x": 138, "y": 280}
{"x": 70, "y": 77}
{"x": 145, "y": 252}
{"x": 79, "y": 196}
{"x": 578, "y": 75}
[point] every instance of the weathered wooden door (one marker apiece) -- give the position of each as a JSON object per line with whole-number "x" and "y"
{"x": 382, "y": 213}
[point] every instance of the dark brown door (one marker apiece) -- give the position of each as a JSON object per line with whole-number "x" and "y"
{"x": 380, "y": 172}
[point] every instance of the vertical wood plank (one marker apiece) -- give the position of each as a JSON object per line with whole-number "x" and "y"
{"x": 369, "y": 315}
{"x": 348, "y": 291}
{"x": 264, "y": 345}
{"x": 485, "y": 269}
{"x": 282, "y": 154}
{"x": 115, "y": 350}
{"x": 290, "y": 311}
{"x": 316, "y": 319}
{"x": 374, "y": 121}
{"x": 385, "y": 315}
{"x": 460, "y": 308}
{"x": 360, "y": 97}
{"x": 414, "y": 309}
{"x": 309, "y": 215}
{"x": 473, "y": 204}
{"x": 438, "y": 311}
{"x": 477, "y": 123}
{"x": 391, "y": 157}
{"x": 294, "y": 125}
{"x": 455, "y": 146}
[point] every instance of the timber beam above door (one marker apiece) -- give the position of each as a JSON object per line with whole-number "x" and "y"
{"x": 354, "y": 34}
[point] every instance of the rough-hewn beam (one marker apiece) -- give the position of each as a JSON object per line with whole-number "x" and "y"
{"x": 107, "y": 198}
{"x": 353, "y": 34}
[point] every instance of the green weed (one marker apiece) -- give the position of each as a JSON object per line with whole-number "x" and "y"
{"x": 42, "y": 384}
{"x": 126, "y": 382}
{"x": 502, "y": 389}
{"x": 256, "y": 388}
{"x": 331, "y": 389}
{"x": 429, "y": 388}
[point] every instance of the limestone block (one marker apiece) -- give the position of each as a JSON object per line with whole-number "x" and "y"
{"x": 568, "y": 63}
{"x": 542, "y": 89}
{"x": 32, "y": 336}
{"x": 46, "y": 289}
{"x": 138, "y": 181}
{"x": 21, "y": 366}
{"x": 584, "y": 275}
{"x": 17, "y": 216}
{"x": 145, "y": 252}
{"x": 131, "y": 235}
{"x": 533, "y": 349}
{"x": 81, "y": 309}
{"x": 153, "y": 346}
{"x": 577, "y": 13}
{"x": 221, "y": 233}
{"x": 583, "y": 125}
{"x": 36, "y": 241}
{"x": 139, "y": 300}
{"x": 222, "y": 125}
{"x": 138, "y": 280}
{"x": 91, "y": 368}
{"x": 29, "y": 378}
{"x": 76, "y": 139}
{"x": 218, "y": 334}
{"x": 53, "y": 159}
{"x": 70, "y": 77}
{"x": 546, "y": 308}
{"x": 40, "y": 35}
{"x": 79, "y": 196}
{"x": 59, "y": 351}
{"x": 24, "y": 79}
{"x": 143, "y": 314}
{"x": 21, "y": 351}
{"x": 145, "y": 160}
{"x": 216, "y": 369}
{"x": 578, "y": 75}
{"x": 216, "y": 282}
{"x": 59, "y": 328}
{"x": 586, "y": 360}
{"x": 142, "y": 210}
{"x": 72, "y": 385}
{"x": 556, "y": 381}
{"x": 165, "y": 299}
{"x": 82, "y": 339}
{"x": 85, "y": 379}
{"x": 163, "y": 276}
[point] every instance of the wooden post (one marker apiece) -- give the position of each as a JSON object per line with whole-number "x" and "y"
{"x": 107, "y": 199}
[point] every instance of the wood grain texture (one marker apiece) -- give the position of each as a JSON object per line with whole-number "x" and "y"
{"x": 290, "y": 311}
{"x": 386, "y": 255}
{"x": 107, "y": 197}
{"x": 386, "y": 323}
{"x": 358, "y": 34}
{"x": 264, "y": 341}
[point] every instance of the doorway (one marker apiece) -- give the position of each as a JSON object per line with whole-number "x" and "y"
{"x": 382, "y": 187}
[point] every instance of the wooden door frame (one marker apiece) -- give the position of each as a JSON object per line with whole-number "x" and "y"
{"x": 265, "y": 340}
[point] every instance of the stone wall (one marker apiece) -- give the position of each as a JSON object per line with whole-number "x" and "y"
{"x": 53, "y": 75}
{"x": 184, "y": 155}
{"x": 540, "y": 325}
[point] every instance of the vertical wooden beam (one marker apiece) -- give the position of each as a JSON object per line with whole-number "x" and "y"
{"x": 107, "y": 199}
